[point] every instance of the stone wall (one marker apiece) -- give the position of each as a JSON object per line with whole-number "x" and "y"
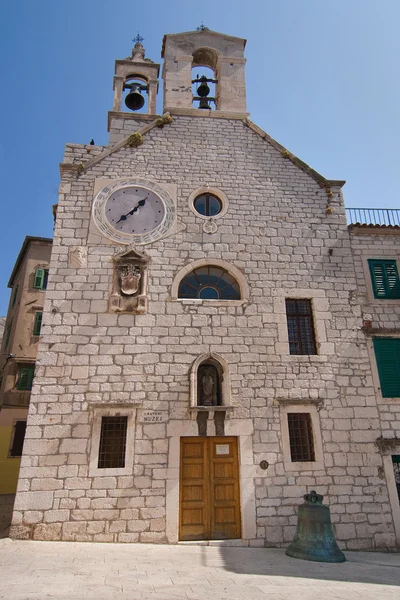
{"x": 278, "y": 233}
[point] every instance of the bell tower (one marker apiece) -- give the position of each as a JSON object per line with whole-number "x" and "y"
{"x": 222, "y": 53}
{"x": 136, "y": 68}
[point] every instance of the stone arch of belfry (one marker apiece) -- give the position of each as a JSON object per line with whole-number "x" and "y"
{"x": 224, "y": 54}
{"x": 225, "y": 380}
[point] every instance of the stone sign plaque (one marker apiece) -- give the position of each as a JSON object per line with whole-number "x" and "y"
{"x": 152, "y": 416}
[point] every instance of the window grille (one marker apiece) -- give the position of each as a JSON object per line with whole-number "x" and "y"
{"x": 301, "y": 437}
{"x": 18, "y": 439}
{"x": 112, "y": 442}
{"x": 300, "y": 327}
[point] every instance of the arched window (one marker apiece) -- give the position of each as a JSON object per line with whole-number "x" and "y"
{"x": 209, "y": 380}
{"x": 209, "y": 283}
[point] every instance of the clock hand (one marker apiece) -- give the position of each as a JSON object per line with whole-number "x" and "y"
{"x": 133, "y": 210}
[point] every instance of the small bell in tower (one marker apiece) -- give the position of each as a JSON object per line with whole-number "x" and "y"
{"x": 202, "y": 91}
{"x": 135, "y": 100}
{"x": 314, "y": 539}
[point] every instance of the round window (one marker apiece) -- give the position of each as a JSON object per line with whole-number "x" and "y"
{"x": 207, "y": 205}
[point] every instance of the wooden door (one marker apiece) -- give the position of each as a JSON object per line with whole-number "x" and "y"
{"x": 209, "y": 489}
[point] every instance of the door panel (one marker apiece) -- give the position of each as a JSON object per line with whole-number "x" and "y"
{"x": 209, "y": 490}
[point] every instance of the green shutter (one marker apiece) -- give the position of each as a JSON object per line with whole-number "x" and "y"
{"x": 8, "y": 333}
{"x": 38, "y": 323}
{"x": 25, "y": 378}
{"x": 39, "y": 279}
{"x": 387, "y": 353}
{"x": 385, "y": 278}
{"x": 15, "y": 295}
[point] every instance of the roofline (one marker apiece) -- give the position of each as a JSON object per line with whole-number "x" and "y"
{"x": 25, "y": 245}
{"x": 201, "y": 32}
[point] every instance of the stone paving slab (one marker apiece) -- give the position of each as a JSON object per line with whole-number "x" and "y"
{"x": 80, "y": 571}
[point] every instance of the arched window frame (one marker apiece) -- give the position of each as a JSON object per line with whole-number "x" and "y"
{"x": 225, "y": 383}
{"x": 231, "y": 269}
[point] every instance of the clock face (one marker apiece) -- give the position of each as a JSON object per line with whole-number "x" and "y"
{"x": 133, "y": 211}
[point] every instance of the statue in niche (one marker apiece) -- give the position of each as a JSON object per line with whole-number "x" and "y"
{"x": 207, "y": 385}
{"x": 129, "y": 293}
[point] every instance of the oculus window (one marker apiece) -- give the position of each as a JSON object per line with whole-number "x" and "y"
{"x": 207, "y": 205}
{"x": 209, "y": 283}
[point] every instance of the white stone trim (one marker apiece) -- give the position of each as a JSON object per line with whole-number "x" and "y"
{"x": 222, "y": 197}
{"x": 299, "y": 467}
{"x": 243, "y": 430}
{"x": 225, "y": 383}
{"x": 321, "y": 314}
{"x": 203, "y": 262}
{"x": 381, "y": 255}
{"x": 107, "y": 411}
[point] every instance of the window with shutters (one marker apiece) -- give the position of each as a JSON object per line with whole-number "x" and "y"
{"x": 300, "y": 325}
{"x": 387, "y": 354}
{"x": 385, "y": 278}
{"x": 38, "y": 323}
{"x": 396, "y": 470}
{"x": 40, "y": 280}
{"x": 15, "y": 294}
{"x": 7, "y": 335}
{"x": 25, "y": 377}
{"x": 112, "y": 442}
{"x": 17, "y": 439}
{"x": 301, "y": 437}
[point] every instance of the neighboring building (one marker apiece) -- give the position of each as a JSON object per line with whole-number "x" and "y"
{"x": 2, "y": 325}
{"x": 207, "y": 348}
{"x": 17, "y": 360}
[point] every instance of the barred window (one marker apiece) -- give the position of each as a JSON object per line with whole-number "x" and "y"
{"x": 301, "y": 437}
{"x": 112, "y": 442}
{"x": 300, "y": 326}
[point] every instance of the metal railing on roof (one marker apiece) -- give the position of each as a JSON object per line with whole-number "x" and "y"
{"x": 373, "y": 216}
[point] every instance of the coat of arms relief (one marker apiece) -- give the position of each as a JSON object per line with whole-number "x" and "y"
{"x": 129, "y": 289}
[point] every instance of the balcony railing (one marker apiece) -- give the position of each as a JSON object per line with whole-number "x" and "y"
{"x": 373, "y": 216}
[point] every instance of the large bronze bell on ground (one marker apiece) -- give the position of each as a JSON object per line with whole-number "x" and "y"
{"x": 134, "y": 100}
{"x": 314, "y": 538}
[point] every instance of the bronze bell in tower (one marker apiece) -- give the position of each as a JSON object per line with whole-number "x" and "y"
{"x": 134, "y": 100}
{"x": 314, "y": 538}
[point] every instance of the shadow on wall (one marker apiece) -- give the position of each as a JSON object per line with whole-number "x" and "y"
{"x": 361, "y": 567}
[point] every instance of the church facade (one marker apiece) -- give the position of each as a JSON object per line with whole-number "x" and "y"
{"x": 207, "y": 342}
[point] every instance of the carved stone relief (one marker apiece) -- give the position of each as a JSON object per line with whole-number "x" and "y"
{"x": 129, "y": 290}
{"x": 77, "y": 257}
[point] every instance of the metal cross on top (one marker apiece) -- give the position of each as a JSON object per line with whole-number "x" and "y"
{"x": 202, "y": 27}
{"x": 138, "y": 38}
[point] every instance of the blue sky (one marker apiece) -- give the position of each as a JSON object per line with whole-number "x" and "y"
{"x": 322, "y": 78}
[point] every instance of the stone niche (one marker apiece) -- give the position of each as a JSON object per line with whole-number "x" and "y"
{"x": 129, "y": 287}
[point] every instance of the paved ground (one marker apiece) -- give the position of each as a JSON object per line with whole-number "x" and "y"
{"x": 67, "y": 570}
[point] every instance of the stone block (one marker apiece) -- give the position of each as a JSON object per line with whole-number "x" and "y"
{"x": 33, "y": 501}
{"x": 46, "y": 531}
